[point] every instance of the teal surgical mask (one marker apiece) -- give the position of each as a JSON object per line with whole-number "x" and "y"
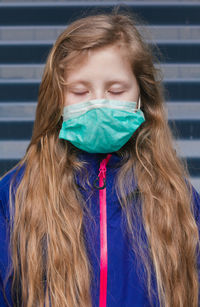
{"x": 100, "y": 125}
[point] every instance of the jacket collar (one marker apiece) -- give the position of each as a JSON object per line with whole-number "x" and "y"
{"x": 96, "y": 158}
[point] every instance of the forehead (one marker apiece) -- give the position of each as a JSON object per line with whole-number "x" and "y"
{"x": 107, "y": 61}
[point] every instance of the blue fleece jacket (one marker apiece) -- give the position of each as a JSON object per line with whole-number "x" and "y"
{"x": 125, "y": 284}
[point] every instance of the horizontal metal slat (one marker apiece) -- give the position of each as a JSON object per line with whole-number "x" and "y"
{"x": 50, "y": 33}
{"x": 37, "y": 51}
{"x": 60, "y": 13}
{"x": 185, "y": 129}
{"x": 175, "y": 71}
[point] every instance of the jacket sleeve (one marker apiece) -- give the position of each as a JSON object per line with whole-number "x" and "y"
{"x": 196, "y": 206}
{"x": 4, "y": 295}
{"x": 5, "y": 256}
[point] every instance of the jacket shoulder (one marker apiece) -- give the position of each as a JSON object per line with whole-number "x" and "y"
{"x": 196, "y": 204}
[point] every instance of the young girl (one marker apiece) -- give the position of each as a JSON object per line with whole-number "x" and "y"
{"x": 100, "y": 211}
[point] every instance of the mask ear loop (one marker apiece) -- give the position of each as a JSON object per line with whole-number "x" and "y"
{"x": 139, "y": 103}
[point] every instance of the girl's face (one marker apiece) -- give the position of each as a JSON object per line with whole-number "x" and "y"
{"x": 106, "y": 73}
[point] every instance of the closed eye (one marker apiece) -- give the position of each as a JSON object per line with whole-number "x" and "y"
{"x": 113, "y": 93}
{"x": 116, "y": 93}
{"x": 80, "y": 93}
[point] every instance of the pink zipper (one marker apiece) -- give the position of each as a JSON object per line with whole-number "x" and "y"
{"x": 103, "y": 232}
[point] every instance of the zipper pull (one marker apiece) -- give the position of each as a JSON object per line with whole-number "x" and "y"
{"x": 101, "y": 170}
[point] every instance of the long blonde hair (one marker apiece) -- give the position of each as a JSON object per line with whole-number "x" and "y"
{"x": 49, "y": 255}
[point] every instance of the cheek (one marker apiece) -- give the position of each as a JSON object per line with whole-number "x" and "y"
{"x": 73, "y": 99}
{"x": 131, "y": 95}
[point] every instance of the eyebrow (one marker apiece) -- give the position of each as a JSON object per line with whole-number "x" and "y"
{"x": 123, "y": 82}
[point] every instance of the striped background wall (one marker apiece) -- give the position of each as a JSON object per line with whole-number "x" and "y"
{"x": 28, "y": 31}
